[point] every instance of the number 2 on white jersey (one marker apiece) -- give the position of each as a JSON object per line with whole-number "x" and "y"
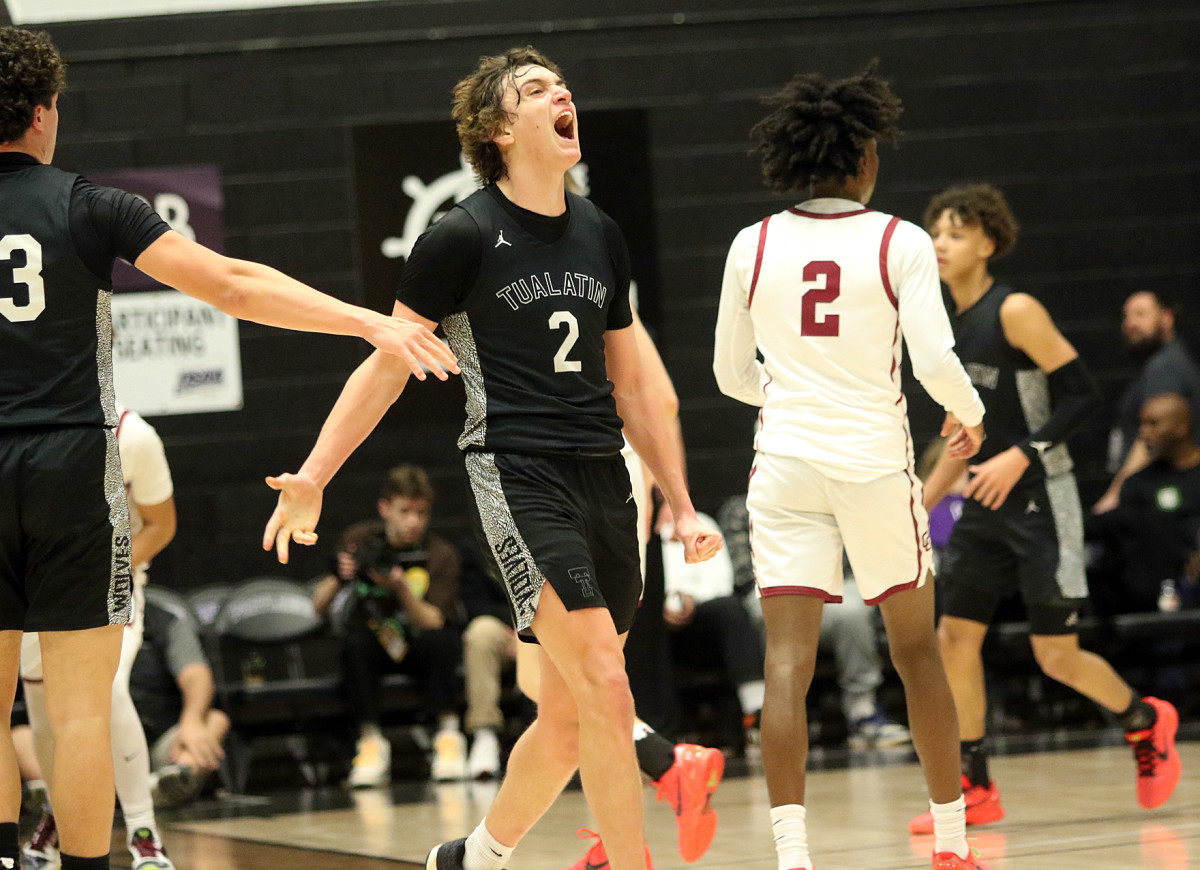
{"x": 30, "y": 275}
{"x": 557, "y": 320}
{"x": 828, "y": 324}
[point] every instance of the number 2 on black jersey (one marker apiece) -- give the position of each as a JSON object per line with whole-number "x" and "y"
{"x": 557, "y": 320}
{"x": 827, "y": 325}
{"x": 30, "y": 275}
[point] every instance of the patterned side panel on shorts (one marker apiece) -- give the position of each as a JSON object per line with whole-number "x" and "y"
{"x": 462, "y": 341}
{"x": 522, "y": 579}
{"x": 120, "y": 580}
{"x": 1063, "y": 495}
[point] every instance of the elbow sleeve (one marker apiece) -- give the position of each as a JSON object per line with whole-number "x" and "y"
{"x": 1074, "y": 395}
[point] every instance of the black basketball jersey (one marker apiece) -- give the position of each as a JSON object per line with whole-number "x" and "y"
{"x": 55, "y": 321}
{"x": 1014, "y": 390}
{"x": 59, "y": 236}
{"x": 528, "y": 331}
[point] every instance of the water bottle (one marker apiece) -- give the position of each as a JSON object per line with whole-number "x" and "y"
{"x": 1168, "y": 597}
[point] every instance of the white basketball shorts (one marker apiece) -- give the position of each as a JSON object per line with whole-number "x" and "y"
{"x": 800, "y": 520}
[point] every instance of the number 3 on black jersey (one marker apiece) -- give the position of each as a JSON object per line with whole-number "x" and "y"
{"x": 30, "y": 275}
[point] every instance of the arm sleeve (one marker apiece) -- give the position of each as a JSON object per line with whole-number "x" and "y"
{"x": 1074, "y": 395}
{"x": 143, "y": 456}
{"x": 619, "y": 313}
{"x": 107, "y": 223}
{"x": 926, "y": 327}
{"x": 739, "y": 373}
{"x": 442, "y": 266}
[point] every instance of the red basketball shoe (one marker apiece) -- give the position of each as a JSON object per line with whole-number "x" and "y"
{"x": 596, "y": 858}
{"x": 983, "y": 806}
{"x": 950, "y": 861}
{"x": 688, "y": 786}
{"x": 1158, "y": 765}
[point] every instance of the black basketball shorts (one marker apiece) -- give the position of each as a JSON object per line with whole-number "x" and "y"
{"x": 1033, "y": 544}
{"x": 64, "y": 531}
{"x": 566, "y": 521}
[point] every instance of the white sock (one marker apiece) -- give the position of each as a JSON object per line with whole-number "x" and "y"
{"x": 640, "y": 730}
{"x": 131, "y": 763}
{"x": 448, "y": 722}
{"x": 485, "y": 852}
{"x": 751, "y": 696}
{"x": 950, "y": 827}
{"x": 791, "y": 837}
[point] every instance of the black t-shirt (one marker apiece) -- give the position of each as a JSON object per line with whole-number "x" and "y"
{"x": 59, "y": 236}
{"x": 1161, "y": 504}
{"x": 1014, "y": 390}
{"x": 525, "y": 300}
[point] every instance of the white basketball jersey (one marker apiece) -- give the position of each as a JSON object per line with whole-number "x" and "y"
{"x": 825, "y": 291}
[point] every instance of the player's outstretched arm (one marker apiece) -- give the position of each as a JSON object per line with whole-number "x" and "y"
{"x": 368, "y": 393}
{"x": 251, "y": 291}
{"x": 652, "y": 427}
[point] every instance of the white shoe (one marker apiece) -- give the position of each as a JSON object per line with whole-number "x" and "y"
{"x": 877, "y": 732}
{"x": 147, "y": 851}
{"x": 449, "y": 756}
{"x": 373, "y": 763}
{"x": 484, "y": 760}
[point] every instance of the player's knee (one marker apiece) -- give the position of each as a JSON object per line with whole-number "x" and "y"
{"x": 955, "y": 647}
{"x": 790, "y": 672}
{"x": 915, "y": 652}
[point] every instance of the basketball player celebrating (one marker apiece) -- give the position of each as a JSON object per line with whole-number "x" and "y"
{"x": 64, "y": 524}
{"x": 824, "y": 291}
{"x": 531, "y": 286}
{"x": 1021, "y": 527}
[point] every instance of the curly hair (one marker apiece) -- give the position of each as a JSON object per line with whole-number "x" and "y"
{"x": 479, "y": 111}
{"x": 31, "y": 73}
{"x": 819, "y": 129}
{"x": 981, "y": 205}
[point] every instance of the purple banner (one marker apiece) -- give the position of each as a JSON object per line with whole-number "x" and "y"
{"x": 188, "y": 198}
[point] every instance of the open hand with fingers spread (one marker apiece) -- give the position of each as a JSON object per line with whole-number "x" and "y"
{"x": 420, "y": 349}
{"x": 295, "y": 516}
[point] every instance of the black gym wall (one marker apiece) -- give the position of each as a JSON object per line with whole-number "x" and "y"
{"x": 1083, "y": 112}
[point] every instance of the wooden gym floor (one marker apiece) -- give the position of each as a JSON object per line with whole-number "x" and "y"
{"x": 1071, "y": 808}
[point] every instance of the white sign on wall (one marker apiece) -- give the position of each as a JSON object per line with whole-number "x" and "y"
{"x": 42, "y": 11}
{"x": 174, "y": 354}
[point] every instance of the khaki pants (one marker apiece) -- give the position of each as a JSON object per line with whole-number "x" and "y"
{"x": 488, "y": 645}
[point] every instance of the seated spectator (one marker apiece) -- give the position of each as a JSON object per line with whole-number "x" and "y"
{"x": 172, "y": 687}
{"x": 1152, "y": 533}
{"x": 1148, "y": 327}
{"x": 489, "y": 648}
{"x": 846, "y": 628}
{"x": 706, "y": 622}
{"x": 401, "y": 606}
